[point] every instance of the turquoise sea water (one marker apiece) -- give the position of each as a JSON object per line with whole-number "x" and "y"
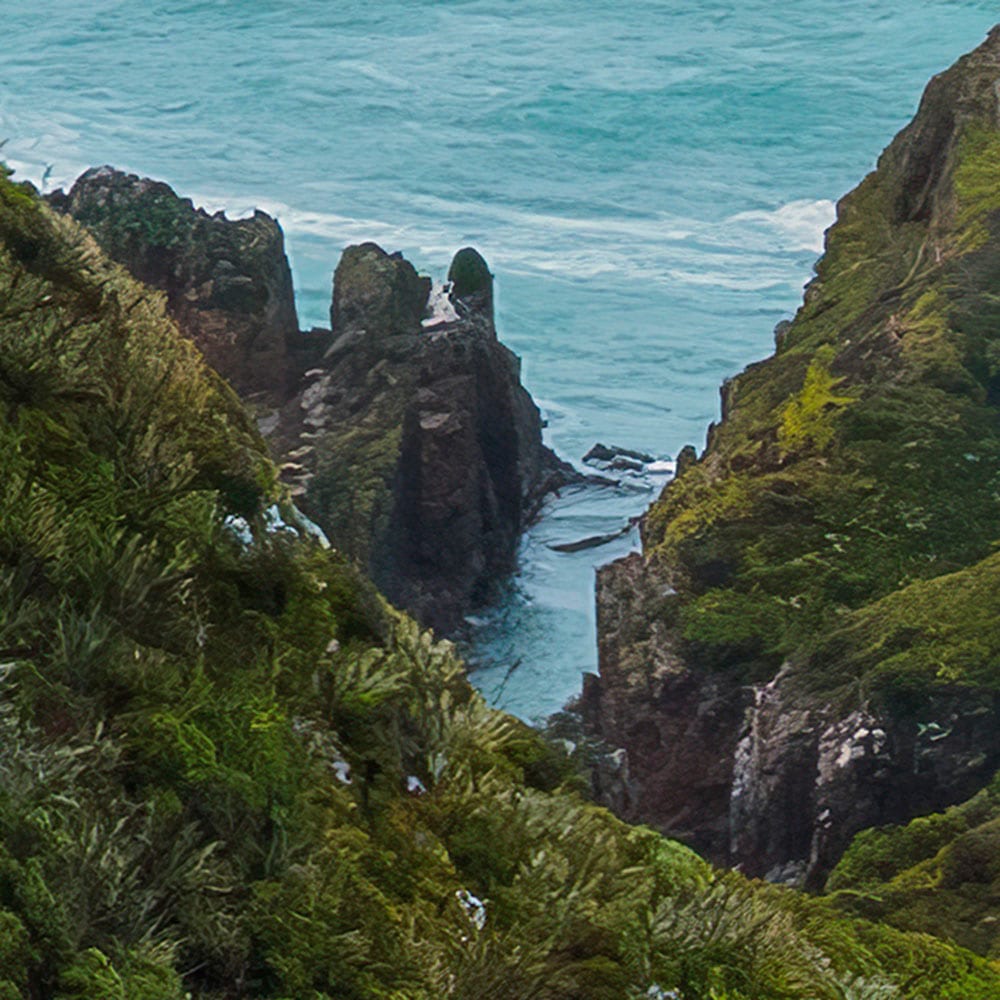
{"x": 649, "y": 181}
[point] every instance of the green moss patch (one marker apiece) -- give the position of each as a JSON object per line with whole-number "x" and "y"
{"x": 939, "y": 874}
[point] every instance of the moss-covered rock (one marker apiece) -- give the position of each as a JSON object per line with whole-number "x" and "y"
{"x": 471, "y": 280}
{"x": 378, "y": 293}
{"x": 227, "y": 283}
{"x": 417, "y": 451}
{"x": 939, "y": 874}
{"x": 830, "y": 553}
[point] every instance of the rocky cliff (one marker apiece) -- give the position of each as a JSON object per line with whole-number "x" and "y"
{"x": 228, "y": 770}
{"x": 404, "y": 432}
{"x": 413, "y": 442}
{"x": 227, "y": 282}
{"x": 807, "y": 645}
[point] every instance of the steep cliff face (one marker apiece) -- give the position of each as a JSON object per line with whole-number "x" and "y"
{"x": 416, "y": 446}
{"x": 807, "y": 645}
{"x": 413, "y": 444}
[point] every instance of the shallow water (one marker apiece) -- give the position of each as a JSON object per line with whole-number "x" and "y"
{"x": 648, "y": 180}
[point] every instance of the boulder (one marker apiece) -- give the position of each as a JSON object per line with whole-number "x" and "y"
{"x": 471, "y": 281}
{"x": 378, "y": 292}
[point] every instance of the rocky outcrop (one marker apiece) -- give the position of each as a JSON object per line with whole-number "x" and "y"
{"x": 806, "y": 646}
{"x": 377, "y": 296}
{"x": 228, "y": 770}
{"x": 672, "y": 723}
{"x": 807, "y": 778}
{"x": 470, "y": 281}
{"x": 414, "y": 443}
{"x": 404, "y": 431}
{"x": 227, "y": 282}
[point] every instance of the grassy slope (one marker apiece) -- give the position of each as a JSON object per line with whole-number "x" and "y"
{"x": 938, "y": 874}
{"x": 185, "y": 684}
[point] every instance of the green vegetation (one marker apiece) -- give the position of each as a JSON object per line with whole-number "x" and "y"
{"x": 858, "y": 465}
{"x": 228, "y": 769}
{"x": 977, "y": 182}
{"x": 354, "y": 479}
{"x": 938, "y": 874}
{"x": 158, "y": 221}
{"x": 807, "y": 419}
{"x": 941, "y": 632}
{"x": 469, "y": 274}
{"x": 842, "y": 523}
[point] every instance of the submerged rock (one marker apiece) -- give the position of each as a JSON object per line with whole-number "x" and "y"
{"x": 605, "y": 453}
{"x": 592, "y": 541}
{"x": 807, "y": 645}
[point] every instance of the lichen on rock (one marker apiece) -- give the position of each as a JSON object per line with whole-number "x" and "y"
{"x": 377, "y": 292}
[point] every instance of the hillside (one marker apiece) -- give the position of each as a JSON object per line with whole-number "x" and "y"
{"x": 228, "y": 769}
{"x": 808, "y": 645}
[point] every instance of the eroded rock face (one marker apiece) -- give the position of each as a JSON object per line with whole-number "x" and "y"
{"x": 677, "y": 727}
{"x": 806, "y": 647}
{"x": 415, "y": 447}
{"x": 807, "y": 777}
{"x": 766, "y": 777}
{"x": 227, "y": 282}
{"x": 418, "y": 450}
{"x": 378, "y": 292}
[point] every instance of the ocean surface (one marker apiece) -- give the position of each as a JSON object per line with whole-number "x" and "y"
{"x": 648, "y": 180}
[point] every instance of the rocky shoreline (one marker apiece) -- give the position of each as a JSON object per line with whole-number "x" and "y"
{"x": 410, "y": 441}
{"x": 804, "y": 648}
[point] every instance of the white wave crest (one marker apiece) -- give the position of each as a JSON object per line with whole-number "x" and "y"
{"x": 799, "y": 225}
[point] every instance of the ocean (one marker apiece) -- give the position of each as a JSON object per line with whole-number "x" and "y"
{"x": 648, "y": 180}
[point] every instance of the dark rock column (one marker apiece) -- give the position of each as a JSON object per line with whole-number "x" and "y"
{"x": 437, "y": 458}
